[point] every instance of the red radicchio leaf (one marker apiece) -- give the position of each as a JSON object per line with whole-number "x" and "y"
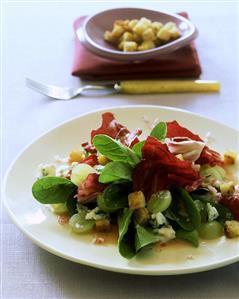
{"x": 89, "y": 148}
{"x": 89, "y": 189}
{"x": 115, "y": 130}
{"x": 232, "y": 203}
{"x": 159, "y": 169}
{"x": 90, "y": 160}
{"x": 149, "y": 178}
{"x": 207, "y": 156}
{"x": 175, "y": 130}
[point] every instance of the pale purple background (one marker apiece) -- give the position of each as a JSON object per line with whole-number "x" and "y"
{"x": 38, "y": 43}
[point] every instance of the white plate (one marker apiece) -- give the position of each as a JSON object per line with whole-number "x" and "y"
{"x": 43, "y": 229}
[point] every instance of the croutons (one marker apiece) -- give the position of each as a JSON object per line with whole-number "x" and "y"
{"x": 232, "y": 228}
{"x": 108, "y": 36}
{"x": 227, "y": 188}
{"x": 117, "y": 31}
{"x": 136, "y": 200}
{"x": 141, "y": 215}
{"x": 174, "y": 33}
{"x": 156, "y": 26}
{"x": 146, "y": 45}
{"x": 140, "y": 35}
{"x": 103, "y": 160}
{"x": 76, "y": 155}
{"x": 129, "y": 46}
{"x": 230, "y": 157}
{"x": 148, "y": 35}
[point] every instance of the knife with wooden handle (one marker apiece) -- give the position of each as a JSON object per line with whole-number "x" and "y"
{"x": 167, "y": 86}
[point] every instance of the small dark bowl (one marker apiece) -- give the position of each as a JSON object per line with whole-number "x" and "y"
{"x": 91, "y": 33}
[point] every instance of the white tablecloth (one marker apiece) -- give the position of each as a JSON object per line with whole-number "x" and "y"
{"x": 38, "y": 43}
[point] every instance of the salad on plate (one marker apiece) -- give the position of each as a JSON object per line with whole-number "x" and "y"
{"x": 167, "y": 186}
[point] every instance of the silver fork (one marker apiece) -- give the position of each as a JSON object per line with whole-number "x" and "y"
{"x": 65, "y": 93}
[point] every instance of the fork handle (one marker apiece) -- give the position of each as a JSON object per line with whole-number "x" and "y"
{"x": 168, "y": 86}
{"x": 107, "y": 89}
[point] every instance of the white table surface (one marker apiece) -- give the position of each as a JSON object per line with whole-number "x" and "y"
{"x": 38, "y": 43}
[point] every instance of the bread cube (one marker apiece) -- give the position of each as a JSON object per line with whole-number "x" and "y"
{"x": 174, "y": 33}
{"x": 127, "y": 36}
{"x": 156, "y": 26}
{"x": 117, "y": 31}
{"x": 76, "y": 155}
{"x": 148, "y": 35}
{"x": 232, "y": 228}
{"x": 170, "y": 25}
{"x": 141, "y": 215}
{"x": 129, "y": 46}
{"x": 164, "y": 34}
{"x": 146, "y": 45}
{"x": 132, "y": 23}
{"x": 136, "y": 200}
{"x": 230, "y": 157}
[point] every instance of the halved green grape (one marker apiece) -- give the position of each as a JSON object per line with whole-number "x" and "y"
{"x": 211, "y": 173}
{"x": 59, "y": 208}
{"x": 79, "y": 224}
{"x": 141, "y": 216}
{"x": 159, "y": 201}
{"x": 211, "y": 230}
{"x": 80, "y": 172}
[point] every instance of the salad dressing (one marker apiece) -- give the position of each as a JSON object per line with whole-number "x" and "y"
{"x": 110, "y": 237}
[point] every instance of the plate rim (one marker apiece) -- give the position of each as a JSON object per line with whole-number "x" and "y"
{"x": 134, "y": 271}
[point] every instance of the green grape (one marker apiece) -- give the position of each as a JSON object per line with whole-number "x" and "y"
{"x": 159, "y": 201}
{"x": 80, "y": 172}
{"x": 212, "y": 173}
{"x": 210, "y": 230}
{"x": 79, "y": 224}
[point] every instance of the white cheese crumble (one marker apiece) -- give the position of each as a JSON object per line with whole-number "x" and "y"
{"x": 46, "y": 170}
{"x": 211, "y": 212}
{"x": 59, "y": 168}
{"x": 165, "y": 233}
{"x": 159, "y": 218}
{"x": 62, "y": 170}
{"x": 93, "y": 214}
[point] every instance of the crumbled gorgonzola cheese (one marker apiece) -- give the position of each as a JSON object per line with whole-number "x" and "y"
{"x": 165, "y": 233}
{"x": 95, "y": 214}
{"x": 159, "y": 219}
{"x": 46, "y": 170}
{"x": 211, "y": 212}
